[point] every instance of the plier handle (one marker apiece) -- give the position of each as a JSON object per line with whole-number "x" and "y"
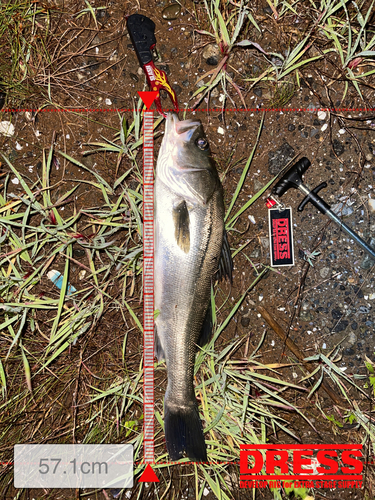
{"x": 142, "y": 34}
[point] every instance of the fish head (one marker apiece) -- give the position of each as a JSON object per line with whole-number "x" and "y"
{"x": 184, "y": 163}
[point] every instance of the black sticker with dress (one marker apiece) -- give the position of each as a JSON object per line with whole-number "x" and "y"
{"x": 281, "y": 236}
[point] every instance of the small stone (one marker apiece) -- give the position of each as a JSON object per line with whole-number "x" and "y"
{"x": 6, "y": 129}
{"x": 177, "y": 89}
{"x": 311, "y": 107}
{"x": 336, "y": 313}
{"x": 341, "y": 209}
{"x": 367, "y": 261}
{"x": 341, "y": 326}
{"x": 212, "y": 61}
{"x": 291, "y": 127}
{"x": 257, "y": 91}
{"x": 304, "y": 134}
{"x": 211, "y": 50}
{"x": 371, "y": 205}
{"x": 279, "y": 158}
{"x": 324, "y": 272}
{"x": 255, "y": 254}
{"x": 13, "y": 155}
{"x": 306, "y": 316}
{"x": 258, "y": 185}
{"x": 351, "y": 340}
{"x": 165, "y": 68}
{"x": 338, "y": 148}
{"x": 322, "y": 115}
{"x": 313, "y": 132}
{"x": 277, "y": 61}
{"x": 363, "y": 310}
{"x": 354, "y": 325}
{"x": 88, "y": 161}
{"x": 369, "y": 157}
{"x": 134, "y": 77}
{"x": 245, "y": 321}
{"x": 78, "y": 252}
{"x": 171, "y": 12}
{"x": 102, "y": 15}
{"x": 358, "y": 292}
{"x": 185, "y": 83}
{"x": 265, "y": 242}
{"x": 324, "y": 127}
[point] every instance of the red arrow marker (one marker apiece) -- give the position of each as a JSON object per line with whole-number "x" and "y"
{"x": 148, "y": 97}
{"x": 148, "y": 476}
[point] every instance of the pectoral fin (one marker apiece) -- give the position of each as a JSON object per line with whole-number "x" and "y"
{"x": 182, "y": 226}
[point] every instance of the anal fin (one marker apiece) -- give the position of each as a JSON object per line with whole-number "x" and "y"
{"x": 206, "y": 332}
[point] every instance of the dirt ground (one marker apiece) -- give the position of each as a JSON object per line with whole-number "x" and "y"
{"x": 321, "y": 307}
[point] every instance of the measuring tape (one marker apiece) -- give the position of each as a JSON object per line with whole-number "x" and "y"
{"x": 148, "y": 286}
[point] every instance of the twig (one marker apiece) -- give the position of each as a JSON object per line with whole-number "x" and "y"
{"x": 295, "y": 350}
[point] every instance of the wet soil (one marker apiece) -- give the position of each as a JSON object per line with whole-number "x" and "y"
{"x": 321, "y": 306}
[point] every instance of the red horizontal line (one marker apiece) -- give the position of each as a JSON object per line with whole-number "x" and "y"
{"x": 300, "y": 446}
{"x": 203, "y": 110}
{"x": 299, "y": 478}
{"x": 188, "y": 463}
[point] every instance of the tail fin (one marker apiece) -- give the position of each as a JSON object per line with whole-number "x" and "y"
{"x": 184, "y": 432}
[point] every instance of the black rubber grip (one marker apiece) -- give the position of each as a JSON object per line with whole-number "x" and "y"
{"x": 142, "y": 33}
{"x": 292, "y": 178}
{"x": 320, "y": 204}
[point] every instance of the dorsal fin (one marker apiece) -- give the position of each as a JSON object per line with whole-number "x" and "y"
{"x": 226, "y": 263}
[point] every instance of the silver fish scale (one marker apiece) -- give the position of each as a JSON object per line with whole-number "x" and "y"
{"x": 182, "y": 292}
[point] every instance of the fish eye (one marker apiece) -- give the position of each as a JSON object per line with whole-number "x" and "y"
{"x": 201, "y": 143}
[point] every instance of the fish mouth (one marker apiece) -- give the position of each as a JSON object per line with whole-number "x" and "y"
{"x": 184, "y": 128}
